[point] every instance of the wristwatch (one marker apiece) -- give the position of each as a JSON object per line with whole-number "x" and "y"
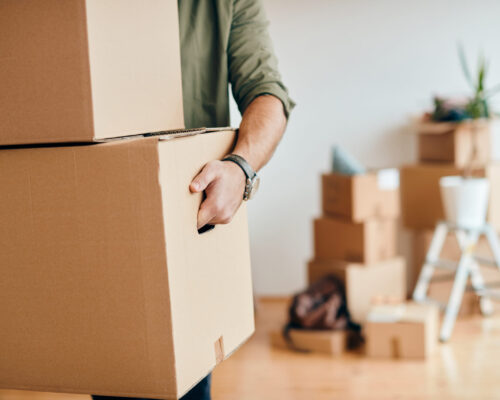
{"x": 252, "y": 181}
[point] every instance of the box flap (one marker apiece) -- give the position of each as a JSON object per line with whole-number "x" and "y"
{"x": 169, "y": 134}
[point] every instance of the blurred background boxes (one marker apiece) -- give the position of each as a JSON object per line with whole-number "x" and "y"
{"x": 333, "y": 343}
{"x": 402, "y": 331}
{"x": 367, "y": 242}
{"x": 421, "y": 204}
{"x": 364, "y": 282}
{"x": 356, "y": 238}
{"x": 358, "y": 197}
{"x": 455, "y": 143}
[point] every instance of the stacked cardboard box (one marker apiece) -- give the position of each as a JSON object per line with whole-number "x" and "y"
{"x": 355, "y": 239}
{"x": 107, "y": 286}
{"x": 333, "y": 343}
{"x": 444, "y": 149}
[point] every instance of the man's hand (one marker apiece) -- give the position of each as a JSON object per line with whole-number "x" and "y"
{"x": 224, "y": 184}
{"x": 260, "y": 131}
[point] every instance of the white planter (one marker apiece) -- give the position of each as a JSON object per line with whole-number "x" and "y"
{"x": 465, "y": 200}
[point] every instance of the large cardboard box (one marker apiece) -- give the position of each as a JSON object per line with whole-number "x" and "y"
{"x": 107, "y": 287}
{"x": 364, "y": 283}
{"x": 358, "y": 197}
{"x": 421, "y": 206}
{"x": 365, "y": 242}
{"x": 84, "y": 70}
{"x": 460, "y": 144}
{"x": 334, "y": 343}
{"x": 402, "y": 331}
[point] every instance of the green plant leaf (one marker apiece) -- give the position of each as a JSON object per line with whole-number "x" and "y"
{"x": 481, "y": 76}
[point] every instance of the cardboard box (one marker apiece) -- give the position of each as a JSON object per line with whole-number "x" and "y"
{"x": 84, "y": 70}
{"x": 107, "y": 287}
{"x": 358, "y": 197}
{"x": 455, "y": 143}
{"x": 402, "y": 331}
{"x": 364, "y": 282}
{"x": 366, "y": 242}
{"x": 334, "y": 343}
{"x": 421, "y": 206}
{"x": 442, "y": 282}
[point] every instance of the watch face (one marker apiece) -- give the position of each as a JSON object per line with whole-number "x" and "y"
{"x": 255, "y": 186}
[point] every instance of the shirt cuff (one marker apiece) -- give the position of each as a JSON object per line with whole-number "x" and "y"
{"x": 273, "y": 89}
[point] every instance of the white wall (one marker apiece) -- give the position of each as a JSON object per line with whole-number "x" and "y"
{"x": 357, "y": 70}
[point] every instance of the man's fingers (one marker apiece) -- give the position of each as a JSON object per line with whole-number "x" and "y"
{"x": 203, "y": 179}
{"x": 205, "y": 214}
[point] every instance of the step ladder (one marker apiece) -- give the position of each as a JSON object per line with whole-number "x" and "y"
{"x": 467, "y": 266}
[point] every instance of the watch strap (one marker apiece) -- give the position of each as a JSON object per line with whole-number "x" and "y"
{"x": 242, "y": 163}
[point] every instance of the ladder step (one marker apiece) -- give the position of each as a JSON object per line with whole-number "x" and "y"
{"x": 442, "y": 278}
{"x": 489, "y": 293}
{"x": 486, "y": 262}
{"x": 434, "y": 302}
{"x": 444, "y": 264}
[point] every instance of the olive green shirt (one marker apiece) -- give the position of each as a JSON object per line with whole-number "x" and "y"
{"x": 225, "y": 42}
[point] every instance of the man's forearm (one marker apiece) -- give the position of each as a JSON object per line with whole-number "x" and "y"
{"x": 261, "y": 129}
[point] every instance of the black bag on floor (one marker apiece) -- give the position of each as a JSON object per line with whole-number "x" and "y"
{"x": 321, "y": 306}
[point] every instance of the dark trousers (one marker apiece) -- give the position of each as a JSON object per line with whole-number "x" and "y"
{"x": 200, "y": 392}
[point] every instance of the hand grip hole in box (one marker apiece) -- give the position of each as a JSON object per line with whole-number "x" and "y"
{"x": 205, "y": 228}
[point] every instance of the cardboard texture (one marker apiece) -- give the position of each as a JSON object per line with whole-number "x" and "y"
{"x": 357, "y": 197}
{"x": 84, "y": 70}
{"x": 364, "y": 283}
{"x": 458, "y": 144}
{"x": 421, "y": 205}
{"x": 366, "y": 242}
{"x": 441, "y": 285}
{"x": 334, "y": 343}
{"x": 107, "y": 287}
{"x": 412, "y": 333}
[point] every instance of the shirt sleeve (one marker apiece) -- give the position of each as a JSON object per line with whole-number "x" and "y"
{"x": 252, "y": 64}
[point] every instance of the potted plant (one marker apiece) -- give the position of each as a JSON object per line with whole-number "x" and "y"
{"x": 465, "y": 197}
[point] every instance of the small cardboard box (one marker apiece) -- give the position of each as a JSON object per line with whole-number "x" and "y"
{"x": 107, "y": 287}
{"x": 85, "y": 70}
{"x": 402, "y": 331}
{"x": 334, "y": 343}
{"x": 358, "y": 197}
{"x": 461, "y": 144}
{"x": 364, "y": 282}
{"x": 365, "y": 242}
{"x": 421, "y": 205}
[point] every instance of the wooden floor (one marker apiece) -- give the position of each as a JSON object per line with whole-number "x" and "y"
{"x": 468, "y": 367}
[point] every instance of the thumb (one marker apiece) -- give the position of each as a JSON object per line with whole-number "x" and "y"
{"x": 203, "y": 179}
